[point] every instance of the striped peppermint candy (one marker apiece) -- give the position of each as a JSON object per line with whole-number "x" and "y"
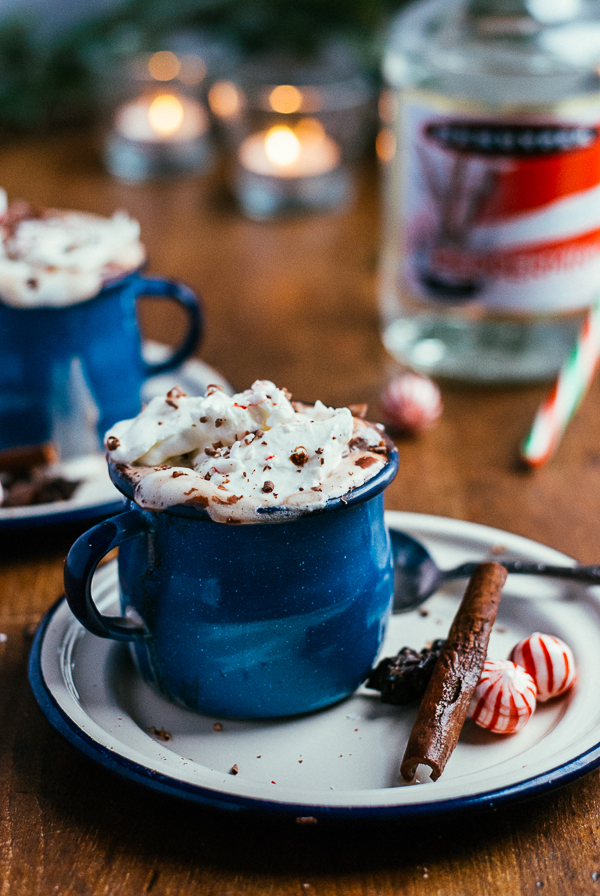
{"x": 411, "y": 403}
{"x": 549, "y": 661}
{"x": 504, "y": 699}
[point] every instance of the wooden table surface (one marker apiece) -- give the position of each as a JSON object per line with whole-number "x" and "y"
{"x": 293, "y": 301}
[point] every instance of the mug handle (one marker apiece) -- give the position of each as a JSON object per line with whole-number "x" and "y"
{"x": 178, "y": 292}
{"x": 80, "y": 565}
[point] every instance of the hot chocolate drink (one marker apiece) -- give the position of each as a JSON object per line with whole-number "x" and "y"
{"x": 71, "y": 349}
{"x": 250, "y": 457}
{"x": 51, "y": 258}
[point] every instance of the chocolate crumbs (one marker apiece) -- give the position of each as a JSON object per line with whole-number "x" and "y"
{"x": 268, "y": 486}
{"x": 379, "y": 449}
{"x": 161, "y": 733}
{"x": 299, "y": 457}
{"x": 232, "y": 499}
{"x": 112, "y": 443}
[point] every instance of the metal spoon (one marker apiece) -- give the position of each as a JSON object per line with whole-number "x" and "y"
{"x": 417, "y": 575}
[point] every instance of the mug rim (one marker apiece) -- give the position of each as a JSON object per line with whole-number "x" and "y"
{"x": 109, "y": 284}
{"x": 369, "y": 489}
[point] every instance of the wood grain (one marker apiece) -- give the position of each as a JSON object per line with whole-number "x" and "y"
{"x": 294, "y": 301}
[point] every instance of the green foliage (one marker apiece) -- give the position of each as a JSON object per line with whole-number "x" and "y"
{"x": 42, "y": 85}
{"x": 38, "y": 85}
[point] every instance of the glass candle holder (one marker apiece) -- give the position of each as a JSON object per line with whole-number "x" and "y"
{"x": 293, "y": 133}
{"x": 162, "y": 127}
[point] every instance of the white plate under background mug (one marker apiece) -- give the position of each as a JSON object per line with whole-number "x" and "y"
{"x": 96, "y": 496}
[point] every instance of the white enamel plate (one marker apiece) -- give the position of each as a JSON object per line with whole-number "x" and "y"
{"x": 96, "y": 496}
{"x": 342, "y": 761}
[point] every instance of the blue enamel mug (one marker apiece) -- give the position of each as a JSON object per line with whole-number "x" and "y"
{"x": 246, "y": 621}
{"x": 68, "y": 373}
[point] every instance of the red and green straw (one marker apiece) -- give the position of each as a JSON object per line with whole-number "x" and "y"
{"x": 574, "y": 379}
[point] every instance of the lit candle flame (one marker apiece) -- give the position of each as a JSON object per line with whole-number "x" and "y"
{"x": 165, "y": 114}
{"x": 224, "y": 99}
{"x": 282, "y": 146}
{"x": 164, "y": 65}
{"x": 385, "y": 145}
{"x": 285, "y": 99}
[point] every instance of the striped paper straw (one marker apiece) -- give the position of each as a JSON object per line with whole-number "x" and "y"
{"x": 572, "y": 383}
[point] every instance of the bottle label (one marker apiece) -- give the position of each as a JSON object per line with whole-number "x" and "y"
{"x": 499, "y": 212}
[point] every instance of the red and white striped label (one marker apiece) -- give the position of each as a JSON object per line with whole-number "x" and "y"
{"x": 504, "y": 213}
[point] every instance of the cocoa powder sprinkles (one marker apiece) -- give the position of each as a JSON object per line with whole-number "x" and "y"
{"x": 312, "y": 451}
{"x": 198, "y": 500}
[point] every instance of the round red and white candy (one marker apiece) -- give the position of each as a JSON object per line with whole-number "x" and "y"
{"x": 504, "y": 699}
{"x": 549, "y": 661}
{"x": 411, "y": 403}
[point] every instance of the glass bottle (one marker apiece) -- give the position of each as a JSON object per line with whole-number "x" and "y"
{"x": 491, "y": 235}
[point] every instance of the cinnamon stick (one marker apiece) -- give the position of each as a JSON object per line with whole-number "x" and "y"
{"x": 444, "y": 706}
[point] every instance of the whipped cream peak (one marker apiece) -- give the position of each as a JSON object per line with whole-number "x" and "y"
{"x": 52, "y": 257}
{"x": 237, "y": 455}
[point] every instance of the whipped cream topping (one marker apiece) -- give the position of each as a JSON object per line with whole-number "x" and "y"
{"x": 237, "y": 455}
{"x": 51, "y": 257}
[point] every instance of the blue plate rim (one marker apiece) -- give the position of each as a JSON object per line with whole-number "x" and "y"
{"x": 547, "y": 781}
{"x": 88, "y": 513}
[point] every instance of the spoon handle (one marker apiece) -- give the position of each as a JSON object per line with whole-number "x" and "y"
{"x": 588, "y": 574}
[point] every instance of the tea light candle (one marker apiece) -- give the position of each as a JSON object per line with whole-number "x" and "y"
{"x": 166, "y": 117}
{"x": 287, "y": 169}
{"x": 162, "y": 133}
{"x": 281, "y": 151}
